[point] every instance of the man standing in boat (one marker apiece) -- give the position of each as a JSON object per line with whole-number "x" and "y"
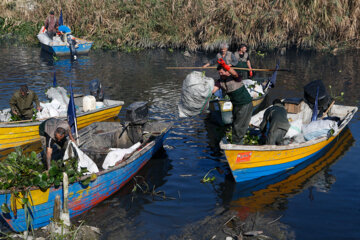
{"x": 276, "y": 116}
{"x": 51, "y": 25}
{"x": 53, "y": 133}
{"x": 21, "y": 103}
{"x": 231, "y": 83}
{"x": 243, "y": 61}
{"x": 226, "y": 55}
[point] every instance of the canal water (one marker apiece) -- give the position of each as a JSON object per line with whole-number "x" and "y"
{"x": 319, "y": 201}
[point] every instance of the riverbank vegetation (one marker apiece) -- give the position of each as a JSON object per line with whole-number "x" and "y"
{"x": 193, "y": 25}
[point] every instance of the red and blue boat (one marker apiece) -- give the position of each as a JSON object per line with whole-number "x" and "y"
{"x": 82, "y": 198}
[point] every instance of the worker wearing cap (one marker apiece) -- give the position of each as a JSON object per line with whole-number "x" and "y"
{"x": 21, "y": 103}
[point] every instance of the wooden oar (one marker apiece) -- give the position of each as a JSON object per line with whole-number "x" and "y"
{"x": 236, "y": 68}
{"x": 327, "y": 110}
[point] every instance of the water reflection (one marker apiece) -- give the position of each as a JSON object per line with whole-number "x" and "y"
{"x": 271, "y": 193}
{"x": 115, "y": 216}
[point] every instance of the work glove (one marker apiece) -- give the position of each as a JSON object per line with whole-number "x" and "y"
{"x": 251, "y": 73}
{"x": 223, "y": 64}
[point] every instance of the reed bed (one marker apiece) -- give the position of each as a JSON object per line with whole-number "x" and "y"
{"x": 195, "y": 24}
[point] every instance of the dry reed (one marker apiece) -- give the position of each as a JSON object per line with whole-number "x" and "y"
{"x": 200, "y": 25}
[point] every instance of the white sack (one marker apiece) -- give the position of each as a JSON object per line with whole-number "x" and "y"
{"x": 5, "y": 115}
{"x": 196, "y": 92}
{"x": 89, "y": 103}
{"x": 84, "y": 160}
{"x": 117, "y": 154}
{"x": 295, "y": 128}
{"x": 44, "y": 38}
{"x": 58, "y": 93}
{"x": 255, "y": 90}
{"x": 257, "y": 118}
{"x": 317, "y": 129}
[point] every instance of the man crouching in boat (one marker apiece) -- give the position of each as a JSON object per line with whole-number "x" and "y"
{"x": 276, "y": 116}
{"x": 21, "y": 103}
{"x": 231, "y": 83}
{"x": 53, "y": 133}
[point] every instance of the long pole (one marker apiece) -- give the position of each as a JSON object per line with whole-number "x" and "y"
{"x": 236, "y": 68}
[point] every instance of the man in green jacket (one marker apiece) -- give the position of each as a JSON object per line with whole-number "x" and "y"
{"x": 276, "y": 116}
{"x": 21, "y": 103}
{"x": 231, "y": 83}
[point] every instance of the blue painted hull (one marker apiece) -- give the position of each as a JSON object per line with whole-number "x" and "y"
{"x": 83, "y": 198}
{"x": 65, "y": 50}
{"x": 249, "y": 174}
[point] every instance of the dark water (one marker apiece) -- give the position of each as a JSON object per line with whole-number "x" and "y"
{"x": 321, "y": 201}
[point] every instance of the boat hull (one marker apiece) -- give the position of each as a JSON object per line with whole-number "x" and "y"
{"x": 17, "y": 134}
{"x": 252, "y": 162}
{"x": 64, "y": 50}
{"x": 82, "y": 198}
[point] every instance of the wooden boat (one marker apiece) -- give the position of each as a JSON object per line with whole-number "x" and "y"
{"x": 60, "y": 48}
{"x": 253, "y": 196}
{"x": 83, "y": 198}
{"x": 248, "y": 162}
{"x": 13, "y": 134}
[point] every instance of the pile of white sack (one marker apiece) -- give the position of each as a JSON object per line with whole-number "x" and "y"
{"x": 254, "y": 88}
{"x": 117, "y": 154}
{"x": 58, "y": 105}
{"x": 301, "y": 129}
{"x": 196, "y": 93}
{"x": 84, "y": 160}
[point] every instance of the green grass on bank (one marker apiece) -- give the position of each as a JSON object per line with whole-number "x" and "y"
{"x": 194, "y": 25}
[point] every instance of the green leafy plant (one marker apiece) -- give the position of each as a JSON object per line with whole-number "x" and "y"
{"x": 207, "y": 179}
{"x": 19, "y": 172}
{"x": 14, "y": 118}
{"x": 336, "y": 97}
{"x": 251, "y": 139}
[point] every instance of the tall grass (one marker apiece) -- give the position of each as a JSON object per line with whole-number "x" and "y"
{"x": 199, "y": 24}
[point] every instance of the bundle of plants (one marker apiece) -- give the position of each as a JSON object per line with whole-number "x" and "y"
{"x": 252, "y": 137}
{"x": 21, "y": 171}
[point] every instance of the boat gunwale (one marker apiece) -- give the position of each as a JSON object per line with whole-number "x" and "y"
{"x": 228, "y": 147}
{"x": 37, "y": 122}
{"x": 132, "y": 158}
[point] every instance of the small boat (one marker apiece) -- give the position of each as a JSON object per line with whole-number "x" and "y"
{"x": 13, "y": 134}
{"x": 249, "y": 162}
{"x": 82, "y": 198}
{"x": 61, "y": 48}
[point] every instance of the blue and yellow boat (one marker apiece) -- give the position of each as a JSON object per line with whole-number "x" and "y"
{"x": 253, "y": 196}
{"x": 249, "y": 162}
{"x": 82, "y": 198}
{"x": 14, "y": 134}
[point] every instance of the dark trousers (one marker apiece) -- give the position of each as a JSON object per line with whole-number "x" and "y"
{"x": 241, "y": 119}
{"x": 276, "y": 136}
{"x": 51, "y": 34}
